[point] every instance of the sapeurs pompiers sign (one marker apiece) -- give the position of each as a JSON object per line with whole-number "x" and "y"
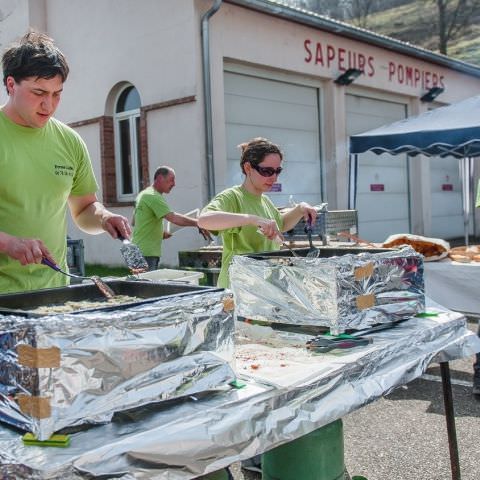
{"x": 341, "y": 59}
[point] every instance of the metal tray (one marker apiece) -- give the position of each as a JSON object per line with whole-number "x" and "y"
{"x": 22, "y": 303}
{"x": 324, "y": 252}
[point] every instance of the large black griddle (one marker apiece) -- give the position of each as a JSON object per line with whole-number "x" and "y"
{"x": 23, "y": 303}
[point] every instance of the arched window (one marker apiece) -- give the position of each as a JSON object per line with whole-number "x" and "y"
{"x": 127, "y": 143}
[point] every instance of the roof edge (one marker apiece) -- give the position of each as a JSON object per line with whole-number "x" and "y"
{"x": 328, "y": 24}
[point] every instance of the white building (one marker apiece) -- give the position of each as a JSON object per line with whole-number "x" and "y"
{"x": 137, "y": 95}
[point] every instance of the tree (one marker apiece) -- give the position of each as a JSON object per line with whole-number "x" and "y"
{"x": 453, "y": 18}
{"x": 359, "y": 10}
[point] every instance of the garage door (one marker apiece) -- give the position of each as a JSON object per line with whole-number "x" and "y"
{"x": 382, "y": 187}
{"x": 446, "y": 188}
{"x": 286, "y": 114}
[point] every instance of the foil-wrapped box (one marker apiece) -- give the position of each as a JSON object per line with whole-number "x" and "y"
{"x": 63, "y": 370}
{"x": 341, "y": 293}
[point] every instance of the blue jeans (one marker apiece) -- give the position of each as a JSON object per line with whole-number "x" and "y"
{"x": 152, "y": 263}
{"x": 476, "y": 365}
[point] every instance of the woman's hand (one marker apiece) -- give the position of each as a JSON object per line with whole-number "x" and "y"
{"x": 269, "y": 228}
{"x": 292, "y": 216}
{"x": 308, "y": 212}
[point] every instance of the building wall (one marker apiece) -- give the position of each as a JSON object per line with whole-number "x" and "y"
{"x": 265, "y": 46}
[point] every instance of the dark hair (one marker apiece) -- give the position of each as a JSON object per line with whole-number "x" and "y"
{"x": 255, "y": 150}
{"x": 35, "y": 55}
{"x": 163, "y": 171}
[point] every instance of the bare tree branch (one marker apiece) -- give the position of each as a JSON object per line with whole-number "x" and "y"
{"x": 453, "y": 18}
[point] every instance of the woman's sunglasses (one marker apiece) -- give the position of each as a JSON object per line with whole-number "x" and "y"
{"x": 267, "y": 171}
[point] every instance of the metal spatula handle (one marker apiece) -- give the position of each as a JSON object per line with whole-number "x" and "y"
{"x": 123, "y": 240}
{"x": 55, "y": 267}
{"x": 100, "y": 284}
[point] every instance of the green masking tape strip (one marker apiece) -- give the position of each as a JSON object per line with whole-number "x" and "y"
{"x": 427, "y": 314}
{"x": 238, "y": 384}
{"x": 56, "y": 440}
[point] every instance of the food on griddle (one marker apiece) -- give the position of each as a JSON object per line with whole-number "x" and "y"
{"x": 72, "y": 306}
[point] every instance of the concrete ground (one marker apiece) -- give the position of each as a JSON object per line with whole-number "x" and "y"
{"x": 403, "y": 435}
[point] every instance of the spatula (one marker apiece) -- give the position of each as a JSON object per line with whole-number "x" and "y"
{"x": 282, "y": 242}
{"x": 132, "y": 255}
{"x": 313, "y": 252}
{"x": 101, "y": 285}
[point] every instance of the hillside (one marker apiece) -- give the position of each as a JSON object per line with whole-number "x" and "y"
{"x": 416, "y": 23}
{"x": 413, "y": 21}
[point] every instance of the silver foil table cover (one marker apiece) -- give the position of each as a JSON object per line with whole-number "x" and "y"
{"x": 283, "y": 400}
{"x": 64, "y": 370}
{"x": 344, "y": 292}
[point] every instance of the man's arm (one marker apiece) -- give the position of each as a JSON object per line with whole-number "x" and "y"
{"x": 25, "y": 250}
{"x": 92, "y": 217}
{"x": 181, "y": 220}
{"x": 184, "y": 221}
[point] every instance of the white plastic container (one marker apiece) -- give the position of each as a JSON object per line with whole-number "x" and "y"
{"x": 163, "y": 274}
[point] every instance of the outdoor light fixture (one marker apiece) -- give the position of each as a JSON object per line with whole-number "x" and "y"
{"x": 432, "y": 94}
{"x": 348, "y": 77}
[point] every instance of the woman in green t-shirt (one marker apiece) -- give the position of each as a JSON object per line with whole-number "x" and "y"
{"x": 243, "y": 215}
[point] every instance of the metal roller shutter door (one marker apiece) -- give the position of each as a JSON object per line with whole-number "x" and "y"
{"x": 286, "y": 114}
{"x": 382, "y": 186}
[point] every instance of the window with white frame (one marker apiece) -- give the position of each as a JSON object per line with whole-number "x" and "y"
{"x": 127, "y": 144}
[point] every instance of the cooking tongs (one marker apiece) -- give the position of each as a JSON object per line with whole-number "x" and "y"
{"x": 325, "y": 343}
{"x": 313, "y": 252}
{"x": 101, "y": 285}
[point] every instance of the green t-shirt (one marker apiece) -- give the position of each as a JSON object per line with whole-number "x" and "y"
{"x": 245, "y": 239}
{"x": 150, "y": 208}
{"x": 39, "y": 169}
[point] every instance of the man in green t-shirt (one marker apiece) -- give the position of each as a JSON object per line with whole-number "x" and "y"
{"x": 44, "y": 166}
{"x": 150, "y": 210}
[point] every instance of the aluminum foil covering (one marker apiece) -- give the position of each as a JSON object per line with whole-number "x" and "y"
{"x": 345, "y": 292}
{"x": 112, "y": 361}
{"x": 283, "y": 400}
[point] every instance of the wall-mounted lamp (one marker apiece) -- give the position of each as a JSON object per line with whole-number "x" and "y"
{"x": 348, "y": 77}
{"x": 432, "y": 94}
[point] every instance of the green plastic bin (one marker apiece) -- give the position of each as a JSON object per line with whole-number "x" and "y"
{"x": 315, "y": 456}
{"x": 219, "y": 475}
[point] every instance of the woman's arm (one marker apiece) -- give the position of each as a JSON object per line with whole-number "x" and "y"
{"x": 217, "y": 220}
{"x": 292, "y": 216}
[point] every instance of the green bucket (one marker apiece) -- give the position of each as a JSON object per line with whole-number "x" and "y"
{"x": 316, "y": 456}
{"x": 219, "y": 475}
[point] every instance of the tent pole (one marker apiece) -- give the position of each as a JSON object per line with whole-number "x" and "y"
{"x": 472, "y": 193}
{"x": 465, "y": 178}
{"x": 352, "y": 182}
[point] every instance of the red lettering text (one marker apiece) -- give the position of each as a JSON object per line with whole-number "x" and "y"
{"x": 330, "y": 54}
{"x": 341, "y": 59}
{"x": 306, "y": 44}
{"x": 319, "y": 55}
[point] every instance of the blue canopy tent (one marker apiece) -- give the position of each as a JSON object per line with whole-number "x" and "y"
{"x": 453, "y": 130}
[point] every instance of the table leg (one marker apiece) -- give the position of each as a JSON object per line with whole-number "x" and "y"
{"x": 450, "y": 419}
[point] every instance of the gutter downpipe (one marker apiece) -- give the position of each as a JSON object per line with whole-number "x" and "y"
{"x": 207, "y": 97}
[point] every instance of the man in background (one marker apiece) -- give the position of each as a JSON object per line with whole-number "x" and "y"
{"x": 150, "y": 210}
{"x": 44, "y": 166}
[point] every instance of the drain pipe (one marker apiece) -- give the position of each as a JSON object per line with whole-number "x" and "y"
{"x": 207, "y": 96}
